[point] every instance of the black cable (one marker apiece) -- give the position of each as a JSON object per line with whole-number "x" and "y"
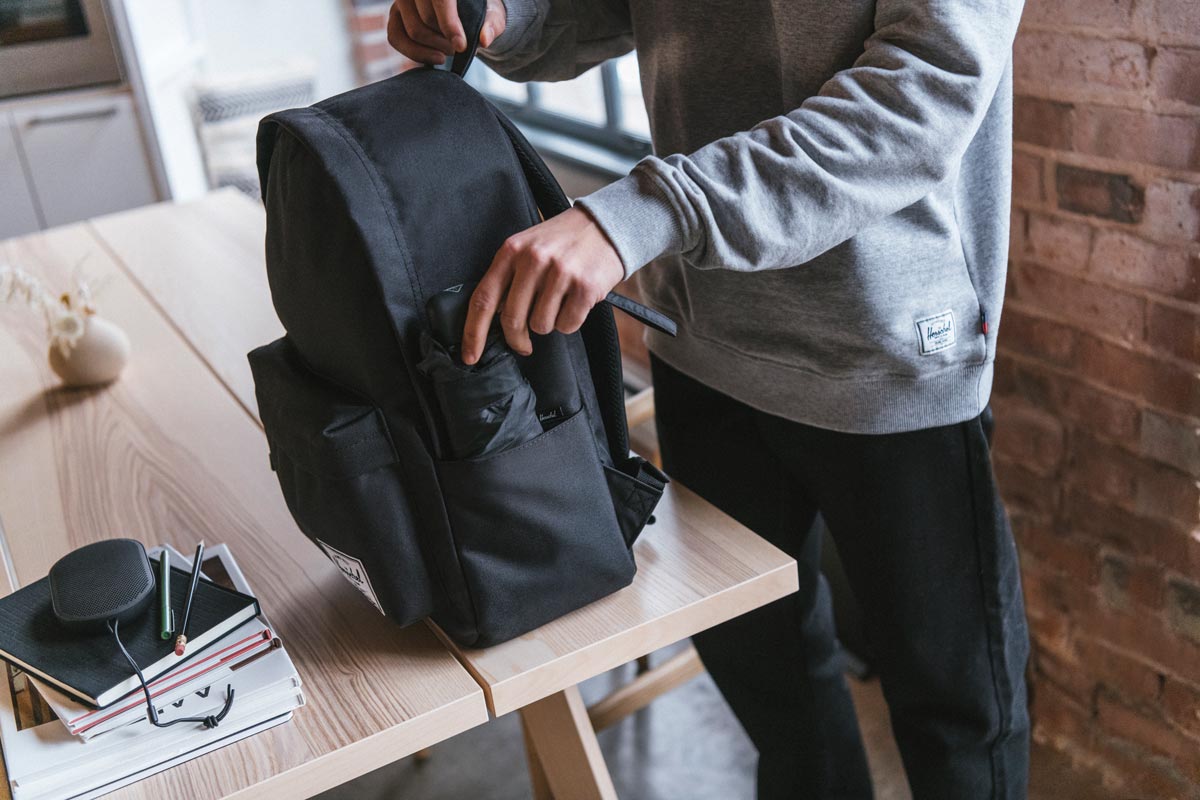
{"x": 211, "y": 721}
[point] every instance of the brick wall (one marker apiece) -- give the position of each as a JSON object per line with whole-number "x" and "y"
{"x": 373, "y": 57}
{"x": 1097, "y": 394}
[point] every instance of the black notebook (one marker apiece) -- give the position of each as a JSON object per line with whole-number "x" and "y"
{"x": 88, "y": 665}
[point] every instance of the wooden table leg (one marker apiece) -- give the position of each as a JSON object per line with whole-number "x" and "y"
{"x": 537, "y": 776}
{"x": 566, "y": 748}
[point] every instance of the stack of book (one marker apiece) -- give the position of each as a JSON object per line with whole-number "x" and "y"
{"x": 73, "y": 721}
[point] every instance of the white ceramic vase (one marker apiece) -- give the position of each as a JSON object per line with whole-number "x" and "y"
{"x": 97, "y": 357}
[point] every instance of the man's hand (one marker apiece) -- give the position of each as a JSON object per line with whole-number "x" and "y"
{"x": 429, "y": 30}
{"x": 544, "y": 279}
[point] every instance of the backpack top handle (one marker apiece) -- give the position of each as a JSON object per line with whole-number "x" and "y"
{"x": 471, "y": 13}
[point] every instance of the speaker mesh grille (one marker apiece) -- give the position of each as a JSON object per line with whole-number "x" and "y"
{"x": 100, "y": 580}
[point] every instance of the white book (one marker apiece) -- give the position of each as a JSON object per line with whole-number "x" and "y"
{"x": 49, "y": 761}
{"x": 125, "y": 780}
{"x": 45, "y": 762}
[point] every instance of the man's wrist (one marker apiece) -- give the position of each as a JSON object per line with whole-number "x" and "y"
{"x": 638, "y": 218}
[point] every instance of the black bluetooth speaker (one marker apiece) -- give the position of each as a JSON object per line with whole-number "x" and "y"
{"x": 100, "y": 582}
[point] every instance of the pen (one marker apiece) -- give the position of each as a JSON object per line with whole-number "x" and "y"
{"x": 181, "y": 639}
{"x": 166, "y": 614}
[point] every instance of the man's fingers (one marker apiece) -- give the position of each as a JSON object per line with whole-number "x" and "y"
{"x": 574, "y": 311}
{"x": 482, "y": 308}
{"x": 549, "y": 302}
{"x": 449, "y": 24}
{"x": 399, "y": 39}
{"x": 421, "y": 33}
{"x": 493, "y": 24}
{"x": 424, "y": 9}
{"x": 514, "y": 317}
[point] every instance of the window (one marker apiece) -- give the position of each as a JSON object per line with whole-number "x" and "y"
{"x": 603, "y": 106}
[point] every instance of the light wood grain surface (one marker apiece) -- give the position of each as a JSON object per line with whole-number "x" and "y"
{"x": 168, "y": 454}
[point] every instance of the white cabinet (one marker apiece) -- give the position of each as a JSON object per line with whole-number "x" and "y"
{"x": 18, "y": 214}
{"x": 83, "y": 156}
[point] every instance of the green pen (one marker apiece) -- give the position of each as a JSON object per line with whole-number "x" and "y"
{"x": 164, "y": 594}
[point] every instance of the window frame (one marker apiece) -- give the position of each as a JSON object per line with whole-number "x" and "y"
{"x": 610, "y": 136}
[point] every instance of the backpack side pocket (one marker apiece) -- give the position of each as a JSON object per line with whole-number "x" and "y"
{"x": 341, "y": 479}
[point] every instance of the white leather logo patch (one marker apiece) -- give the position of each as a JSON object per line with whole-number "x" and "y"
{"x": 353, "y": 571}
{"x": 936, "y": 333}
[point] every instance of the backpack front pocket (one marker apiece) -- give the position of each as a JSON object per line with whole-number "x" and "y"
{"x": 535, "y": 530}
{"x": 341, "y": 479}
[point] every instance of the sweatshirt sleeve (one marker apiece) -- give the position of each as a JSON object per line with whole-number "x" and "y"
{"x": 875, "y": 139}
{"x": 555, "y": 40}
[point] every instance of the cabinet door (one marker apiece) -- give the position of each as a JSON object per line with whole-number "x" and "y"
{"x": 85, "y": 157}
{"x": 18, "y": 214}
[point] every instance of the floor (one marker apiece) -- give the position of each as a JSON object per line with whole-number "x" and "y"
{"x": 686, "y": 746}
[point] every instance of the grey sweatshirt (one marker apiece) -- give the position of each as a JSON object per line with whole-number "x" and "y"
{"x": 828, "y": 208}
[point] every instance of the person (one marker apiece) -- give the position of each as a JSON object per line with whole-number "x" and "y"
{"x": 828, "y": 221}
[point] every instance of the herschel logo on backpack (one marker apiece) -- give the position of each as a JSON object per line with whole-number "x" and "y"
{"x": 377, "y": 200}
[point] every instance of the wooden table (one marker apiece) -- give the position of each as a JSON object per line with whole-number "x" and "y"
{"x": 167, "y": 454}
{"x": 200, "y": 266}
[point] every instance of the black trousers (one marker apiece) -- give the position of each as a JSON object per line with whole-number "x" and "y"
{"x": 930, "y": 558}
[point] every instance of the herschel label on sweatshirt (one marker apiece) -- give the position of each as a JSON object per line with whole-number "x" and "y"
{"x": 936, "y": 333}
{"x": 353, "y": 571}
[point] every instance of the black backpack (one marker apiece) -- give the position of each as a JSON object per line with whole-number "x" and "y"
{"x": 377, "y": 200}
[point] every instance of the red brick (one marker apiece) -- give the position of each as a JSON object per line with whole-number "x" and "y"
{"x": 1137, "y": 262}
{"x": 1058, "y": 716}
{"x": 1044, "y": 123}
{"x": 1108, "y": 415}
{"x": 1145, "y": 728}
{"x": 1167, "y": 493}
{"x": 1124, "y": 674}
{"x": 1097, "y": 411}
{"x": 1174, "y": 331}
{"x": 1059, "y": 552}
{"x": 1129, "y": 584}
{"x": 1144, "y": 634}
{"x": 1028, "y": 436}
{"x": 1114, "y": 582}
{"x": 368, "y": 22}
{"x": 1142, "y": 137}
{"x": 1162, "y": 384}
{"x": 1171, "y": 440}
{"x": 1026, "y": 489}
{"x": 1070, "y": 61}
{"x": 1183, "y": 609}
{"x": 1103, "y": 470}
{"x": 1035, "y": 337}
{"x": 1175, "y": 75}
{"x": 1057, "y": 242}
{"x": 1028, "y": 183}
{"x": 1138, "y": 773}
{"x": 1181, "y": 702}
{"x": 1099, "y": 194}
{"x": 1177, "y": 21}
{"x": 1115, "y": 15}
{"x": 1065, "y": 675}
{"x": 1172, "y": 209}
{"x": 1091, "y": 305}
{"x": 1131, "y": 533}
{"x": 367, "y": 52}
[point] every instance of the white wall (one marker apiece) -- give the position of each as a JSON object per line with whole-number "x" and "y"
{"x": 244, "y": 35}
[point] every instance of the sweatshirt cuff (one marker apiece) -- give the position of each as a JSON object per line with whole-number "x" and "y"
{"x": 519, "y": 16}
{"x": 638, "y": 217}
